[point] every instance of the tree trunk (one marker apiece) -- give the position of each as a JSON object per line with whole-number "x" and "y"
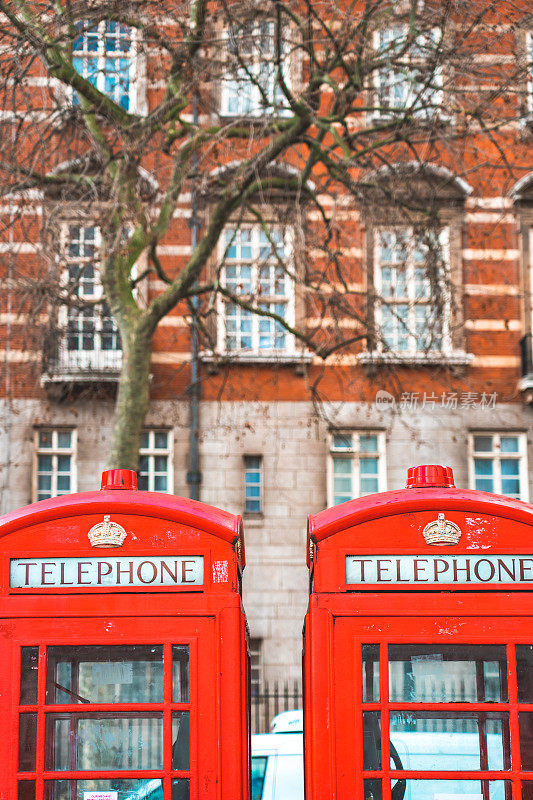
{"x": 132, "y": 399}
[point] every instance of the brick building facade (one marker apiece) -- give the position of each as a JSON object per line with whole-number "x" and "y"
{"x": 456, "y": 390}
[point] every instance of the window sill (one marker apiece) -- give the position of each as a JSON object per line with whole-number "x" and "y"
{"x": 251, "y": 357}
{"x": 457, "y": 358}
{"x": 253, "y": 519}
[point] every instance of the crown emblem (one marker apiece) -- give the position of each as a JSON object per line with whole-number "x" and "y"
{"x": 107, "y": 534}
{"x": 442, "y": 531}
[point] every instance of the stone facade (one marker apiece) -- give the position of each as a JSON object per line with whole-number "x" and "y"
{"x": 294, "y": 445}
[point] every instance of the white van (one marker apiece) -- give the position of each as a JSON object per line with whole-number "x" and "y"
{"x": 278, "y": 759}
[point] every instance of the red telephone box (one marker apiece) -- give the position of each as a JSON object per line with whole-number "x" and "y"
{"x": 418, "y": 656}
{"x": 122, "y": 649}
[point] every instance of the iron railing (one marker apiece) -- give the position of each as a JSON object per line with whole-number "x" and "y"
{"x": 83, "y": 364}
{"x": 271, "y": 699}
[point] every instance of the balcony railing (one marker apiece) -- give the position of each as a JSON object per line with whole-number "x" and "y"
{"x": 64, "y": 365}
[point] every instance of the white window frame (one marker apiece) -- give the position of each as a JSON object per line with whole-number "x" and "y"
{"x": 410, "y": 299}
{"x": 248, "y": 512}
{"x": 136, "y": 71}
{"x": 239, "y": 85}
{"x": 98, "y": 357}
{"x": 353, "y": 455}
{"x": 54, "y": 451}
{"x": 255, "y": 297}
{"x": 152, "y": 451}
{"x": 495, "y": 455}
{"x": 411, "y": 88}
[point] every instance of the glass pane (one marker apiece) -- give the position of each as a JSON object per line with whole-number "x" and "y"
{"x": 525, "y": 725}
{"x": 509, "y": 466}
{"x": 368, "y": 486}
{"x": 371, "y": 740}
{"x": 342, "y": 466}
{"x": 125, "y": 789}
{"x": 180, "y": 673}
{"x": 45, "y": 438}
{"x": 28, "y": 675}
{"x": 64, "y": 439}
{"x": 373, "y": 789}
{"x": 180, "y": 740}
{"x": 509, "y": 444}
{"x": 105, "y": 741}
{"x": 368, "y": 443}
{"x": 160, "y": 483}
{"x": 483, "y": 444}
{"x": 430, "y": 740}
{"x": 105, "y": 674}
{"x": 160, "y": 463}
{"x": 370, "y": 673}
{"x": 259, "y": 764}
{"x": 27, "y": 742}
{"x": 527, "y": 790}
{"x": 368, "y": 466}
{"x": 145, "y": 440}
{"x": 342, "y": 441}
{"x": 26, "y": 790}
{"x": 447, "y": 673}
{"x": 524, "y": 672}
{"x": 483, "y": 466}
{"x": 181, "y": 789}
{"x": 160, "y": 440}
{"x": 450, "y": 789}
{"x": 44, "y": 463}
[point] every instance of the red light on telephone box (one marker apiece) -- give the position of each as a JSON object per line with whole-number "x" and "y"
{"x": 418, "y": 646}
{"x": 123, "y": 660}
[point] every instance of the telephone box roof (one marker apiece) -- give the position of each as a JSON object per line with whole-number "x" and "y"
{"x": 404, "y": 501}
{"x": 120, "y": 500}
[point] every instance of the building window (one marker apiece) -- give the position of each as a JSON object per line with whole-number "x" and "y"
{"x": 54, "y": 463}
{"x": 253, "y": 485}
{"x": 155, "y": 461}
{"x": 356, "y": 465}
{"x": 408, "y": 80}
{"x": 498, "y": 463}
{"x": 411, "y": 279}
{"x": 255, "y": 269}
{"x": 256, "y": 665}
{"x": 252, "y": 87}
{"x": 105, "y": 55}
{"x": 92, "y": 339}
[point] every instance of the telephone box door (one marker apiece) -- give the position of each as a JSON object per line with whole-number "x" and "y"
{"x": 108, "y": 709}
{"x": 429, "y": 708}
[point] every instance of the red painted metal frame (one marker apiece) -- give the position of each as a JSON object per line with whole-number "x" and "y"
{"x": 342, "y": 617}
{"x": 209, "y": 618}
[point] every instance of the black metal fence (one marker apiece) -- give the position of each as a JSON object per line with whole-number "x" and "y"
{"x": 271, "y": 699}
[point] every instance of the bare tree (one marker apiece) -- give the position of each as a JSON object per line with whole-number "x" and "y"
{"x": 288, "y": 115}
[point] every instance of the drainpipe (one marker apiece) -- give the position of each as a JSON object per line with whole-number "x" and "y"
{"x": 194, "y": 476}
{"x": 5, "y": 505}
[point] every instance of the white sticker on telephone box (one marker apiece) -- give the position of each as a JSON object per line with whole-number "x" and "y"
{"x": 100, "y": 796}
